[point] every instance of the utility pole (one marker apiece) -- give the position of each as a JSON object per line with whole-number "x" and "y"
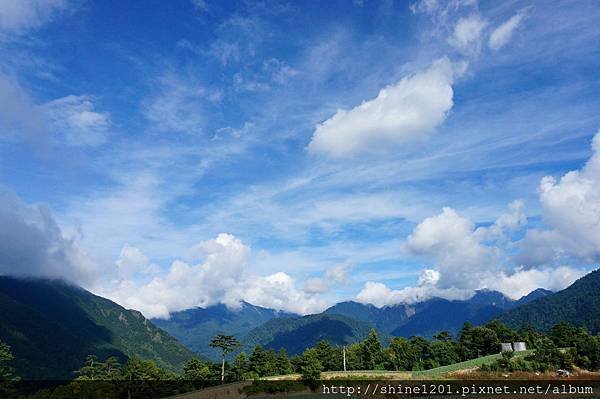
{"x": 344, "y": 351}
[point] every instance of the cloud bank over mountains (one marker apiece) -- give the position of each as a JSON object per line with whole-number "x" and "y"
{"x": 465, "y": 257}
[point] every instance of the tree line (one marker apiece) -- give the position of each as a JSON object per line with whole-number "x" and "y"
{"x": 564, "y": 346}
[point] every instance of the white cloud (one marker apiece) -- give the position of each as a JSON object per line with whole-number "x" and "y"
{"x": 278, "y": 291}
{"x": 451, "y": 241}
{"x": 523, "y": 281}
{"x": 32, "y": 244}
{"x": 72, "y": 120}
{"x": 466, "y": 258}
{"x": 338, "y": 274}
{"x": 514, "y": 285}
{"x": 316, "y": 285}
{"x": 132, "y": 261}
{"x": 19, "y": 117}
{"x": 571, "y": 207}
{"x": 222, "y": 277}
{"x": 76, "y": 119}
{"x": 20, "y": 16}
{"x": 400, "y": 113}
{"x": 467, "y": 33}
{"x": 177, "y": 106}
{"x": 502, "y": 34}
{"x": 380, "y": 294}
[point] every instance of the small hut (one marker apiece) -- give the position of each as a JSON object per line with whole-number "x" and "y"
{"x": 519, "y": 346}
{"x": 506, "y": 347}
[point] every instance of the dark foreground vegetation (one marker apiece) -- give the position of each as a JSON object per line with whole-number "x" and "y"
{"x": 563, "y": 347}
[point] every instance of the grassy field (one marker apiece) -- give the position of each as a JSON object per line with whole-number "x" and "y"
{"x": 439, "y": 372}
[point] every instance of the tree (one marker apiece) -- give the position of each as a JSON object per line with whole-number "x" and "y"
{"x": 95, "y": 370}
{"x": 372, "y": 354}
{"x": 227, "y": 344}
{"x": 443, "y": 353}
{"x": 91, "y": 370}
{"x": 354, "y": 360}
{"x": 283, "y": 363}
{"x": 422, "y": 353}
{"x": 564, "y": 335}
{"x": 547, "y": 356}
{"x": 137, "y": 369}
{"x": 311, "y": 367}
{"x": 195, "y": 370}
{"x": 503, "y": 333}
{"x": 330, "y": 357}
{"x": 6, "y": 372}
{"x": 241, "y": 367}
{"x": 443, "y": 336}
{"x": 403, "y": 355}
{"x": 112, "y": 369}
{"x": 477, "y": 341}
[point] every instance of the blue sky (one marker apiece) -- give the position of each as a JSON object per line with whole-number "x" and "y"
{"x": 294, "y": 154}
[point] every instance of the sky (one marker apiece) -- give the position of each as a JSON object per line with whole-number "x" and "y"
{"x": 168, "y": 155}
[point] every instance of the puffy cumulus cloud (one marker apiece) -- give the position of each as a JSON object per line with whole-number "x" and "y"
{"x": 32, "y": 244}
{"x": 571, "y": 207}
{"x": 185, "y": 286}
{"x": 451, "y": 241}
{"x": 379, "y": 294}
{"x": 400, "y": 113}
{"x": 522, "y": 281}
{"x": 466, "y": 258}
{"x": 467, "y": 33}
{"x": 132, "y": 261}
{"x": 278, "y": 291}
{"x": 77, "y": 120}
{"x": 20, "y": 16}
{"x": 222, "y": 277}
{"x": 502, "y": 34}
{"x": 512, "y": 220}
{"x": 513, "y": 284}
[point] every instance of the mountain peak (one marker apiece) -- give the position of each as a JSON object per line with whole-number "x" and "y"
{"x": 490, "y": 297}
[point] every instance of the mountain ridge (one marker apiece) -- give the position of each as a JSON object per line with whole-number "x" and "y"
{"x": 578, "y": 304}
{"x": 80, "y": 323}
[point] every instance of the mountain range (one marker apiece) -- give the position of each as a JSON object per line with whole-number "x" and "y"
{"x": 51, "y": 325}
{"x": 195, "y": 327}
{"x": 343, "y": 323}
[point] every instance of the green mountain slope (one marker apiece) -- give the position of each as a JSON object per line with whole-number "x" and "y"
{"x": 578, "y": 304}
{"x": 386, "y": 319}
{"x": 443, "y": 315}
{"x": 51, "y": 327}
{"x": 297, "y": 334}
{"x": 196, "y": 327}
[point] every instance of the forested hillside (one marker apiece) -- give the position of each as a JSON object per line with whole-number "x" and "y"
{"x": 52, "y": 326}
{"x": 578, "y": 304}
